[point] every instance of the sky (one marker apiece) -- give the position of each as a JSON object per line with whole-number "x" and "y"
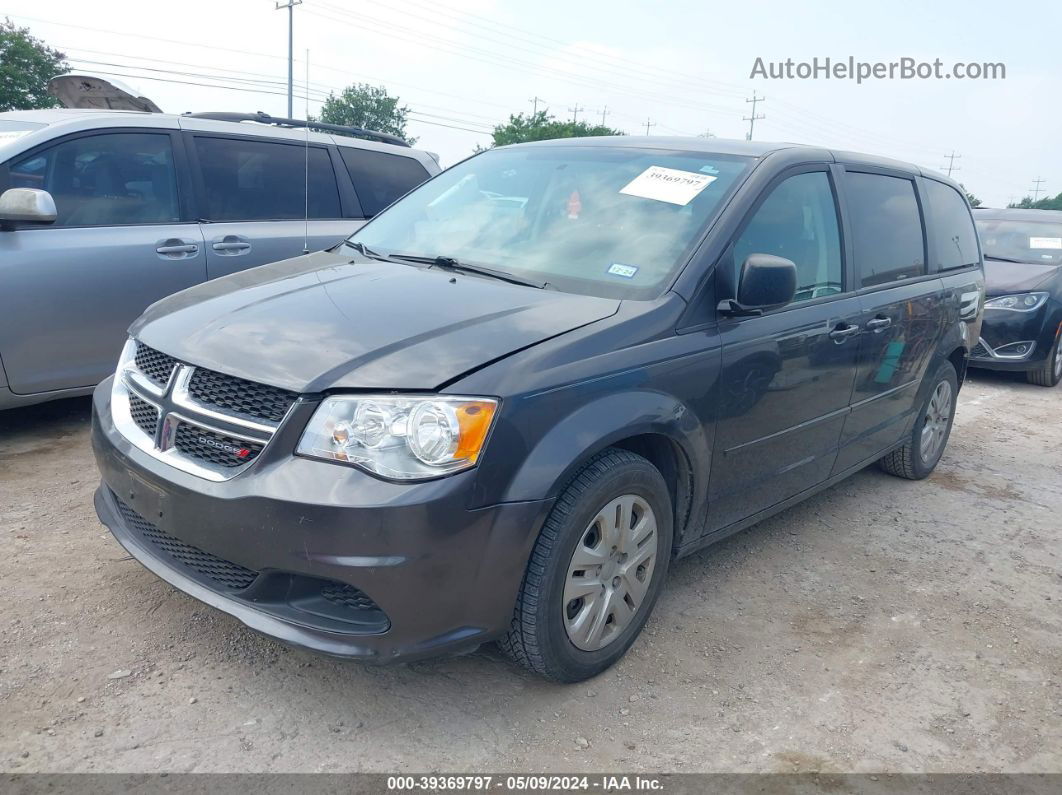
{"x": 683, "y": 67}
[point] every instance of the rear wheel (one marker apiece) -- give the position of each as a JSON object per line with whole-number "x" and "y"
{"x": 920, "y": 453}
{"x": 1050, "y": 372}
{"x": 596, "y": 570}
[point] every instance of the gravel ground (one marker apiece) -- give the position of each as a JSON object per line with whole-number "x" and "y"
{"x": 883, "y": 625}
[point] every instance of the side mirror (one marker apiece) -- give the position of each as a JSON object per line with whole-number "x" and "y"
{"x": 766, "y": 282}
{"x": 26, "y": 206}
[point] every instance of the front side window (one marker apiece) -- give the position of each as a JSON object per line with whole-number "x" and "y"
{"x": 379, "y": 178}
{"x": 798, "y": 221}
{"x": 1011, "y": 240}
{"x": 599, "y": 220}
{"x": 105, "y": 180}
{"x": 957, "y": 244}
{"x": 887, "y": 237}
{"x": 249, "y": 180}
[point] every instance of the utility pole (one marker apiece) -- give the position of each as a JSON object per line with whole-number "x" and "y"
{"x": 290, "y": 5}
{"x": 1037, "y": 190}
{"x": 752, "y": 119}
{"x": 534, "y": 104}
{"x": 951, "y": 162}
{"x": 575, "y": 112}
{"x": 649, "y": 123}
{"x": 708, "y": 134}
{"x": 604, "y": 113}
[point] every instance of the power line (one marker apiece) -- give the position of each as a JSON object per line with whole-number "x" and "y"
{"x": 575, "y": 112}
{"x": 1036, "y": 189}
{"x": 951, "y": 163}
{"x": 752, "y": 119}
{"x": 604, "y": 113}
{"x": 290, "y": 5}
{"x": 534, "y": 104}
{"x": 649, "y": 123}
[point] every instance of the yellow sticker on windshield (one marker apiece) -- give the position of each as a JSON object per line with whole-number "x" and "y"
{"x": 668, "y": 185}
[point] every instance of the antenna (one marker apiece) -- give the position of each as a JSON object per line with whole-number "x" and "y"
{"x": 306, "y": 169}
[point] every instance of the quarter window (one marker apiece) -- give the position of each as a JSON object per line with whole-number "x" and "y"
{"x": 105, "y": 180}
{"x": 953, "y": 227}
{"x": 887, "y": 236}
{"x": 798, "y": 221}
{"x": 379, "y": 178}
{"x": 248, "y": 180}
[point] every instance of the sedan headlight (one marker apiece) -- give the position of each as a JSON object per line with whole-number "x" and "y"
{"x": 405, "y": 437}
{"x": 1024, "y": 302}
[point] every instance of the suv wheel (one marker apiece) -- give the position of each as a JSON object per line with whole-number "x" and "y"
{"x": 923, "y": 449}
{"x": 1050, "y": 372}
{"x": 596, "y": 570}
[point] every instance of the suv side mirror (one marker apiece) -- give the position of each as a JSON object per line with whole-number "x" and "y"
{"x": 26, "y": 206}
{"x": 766, "y": 282}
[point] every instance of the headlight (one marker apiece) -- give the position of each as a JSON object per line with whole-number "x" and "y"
{"x": 1025, "y": 302}
{"x": 406, "y": 437}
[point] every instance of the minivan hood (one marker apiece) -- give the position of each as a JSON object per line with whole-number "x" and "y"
{"x": 323, "y": 321}
{"x": 1005, "y": 278}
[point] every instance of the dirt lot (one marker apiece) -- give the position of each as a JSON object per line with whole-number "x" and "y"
{"x": 881, "y": 626}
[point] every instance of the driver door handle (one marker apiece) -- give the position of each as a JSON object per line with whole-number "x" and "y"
{"x": 843, "y": 332}
{"x": 879, "y": 324}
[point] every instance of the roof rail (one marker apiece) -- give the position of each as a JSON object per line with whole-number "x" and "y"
{"x": 265, "y": 118}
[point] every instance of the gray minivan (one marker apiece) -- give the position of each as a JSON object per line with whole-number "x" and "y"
{"x": 125, "y": 208}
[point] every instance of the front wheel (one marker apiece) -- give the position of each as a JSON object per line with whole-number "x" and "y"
{"x": 919, "y": 455}
{"x": 596, "y": 570}
{"x": 1050, "y": 372}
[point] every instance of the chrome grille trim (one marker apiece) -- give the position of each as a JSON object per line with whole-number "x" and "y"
{"x": 176, "y": 407}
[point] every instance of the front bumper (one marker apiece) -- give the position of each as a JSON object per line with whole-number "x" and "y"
{"x": 1001, "y": 328}
{"x": 436, "y": 576}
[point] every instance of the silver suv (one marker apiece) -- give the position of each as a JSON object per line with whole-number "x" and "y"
{"x": 105, "y": 212}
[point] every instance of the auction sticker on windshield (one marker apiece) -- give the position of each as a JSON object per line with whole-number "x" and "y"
{"x": 667, "y": 185}
{"x": 1045, "y": 242}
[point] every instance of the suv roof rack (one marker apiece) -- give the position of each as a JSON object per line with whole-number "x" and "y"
{"x": 265, "y": 118}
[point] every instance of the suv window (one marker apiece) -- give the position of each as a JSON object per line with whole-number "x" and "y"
{"x": 887, "y": 235}
{"x": 953, "y": 227}
{"x": 379, "y": 178}
{"x": 105, "y": 180}
{"x": 798, "y": 221}
{"x": 248, "y": 180}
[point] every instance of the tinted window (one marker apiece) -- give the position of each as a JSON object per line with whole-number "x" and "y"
{"x": 246, "y": 180}
{"x": 798, "y": 221}
{"x": 380, "y": 178}
{"x": 886, "y": 228}
{"x": 105, "y": 180}
{"x": 952, "y": 226}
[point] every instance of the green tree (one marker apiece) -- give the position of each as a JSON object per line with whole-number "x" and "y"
{"x": 974, "y": 201}
{"x": 542, "y": 126}
{"x": 1046, "y": 203}
{"x": 368, "y": 107}
{"x": 26, "y": 66}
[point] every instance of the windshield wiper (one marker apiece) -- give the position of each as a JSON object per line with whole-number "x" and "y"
{"x": 365, "y": 251}
{"x": 451, "y": 264}
{"x": 1005, "y": 259}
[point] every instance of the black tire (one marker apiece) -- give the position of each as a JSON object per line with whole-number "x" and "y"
{"x": 537, "y": 637}
{"x": 1048, "y": 374}
{"x": 907, "y": 461}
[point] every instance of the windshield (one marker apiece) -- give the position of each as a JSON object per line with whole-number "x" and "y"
{"x": 616, "y": 222}
{"x": 1024, "y": 241}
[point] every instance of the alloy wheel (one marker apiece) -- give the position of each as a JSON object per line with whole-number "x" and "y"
{"x": 935, "y": 426}
{"x": 610, "y": 572}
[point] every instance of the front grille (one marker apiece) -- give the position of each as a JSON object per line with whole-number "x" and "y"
{"x": 144, "y": 415}
{"x": 216, "y": 448}
{"x": 154, "y": 364}
{"x": 230, "y": 576}
{"x": 348, "y": 596}
{"x": 980, "y": 351}
{"x": 244, "y": 397}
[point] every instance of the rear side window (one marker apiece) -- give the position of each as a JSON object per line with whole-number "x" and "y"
{"x": 379, "y": 178}
{"x": 112, "y": 179}
{"x": 952, "y": 226}
{"x": 248, "y": 180}
{"x": 887, "y": 235}
{"x": 798, "y": 221}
